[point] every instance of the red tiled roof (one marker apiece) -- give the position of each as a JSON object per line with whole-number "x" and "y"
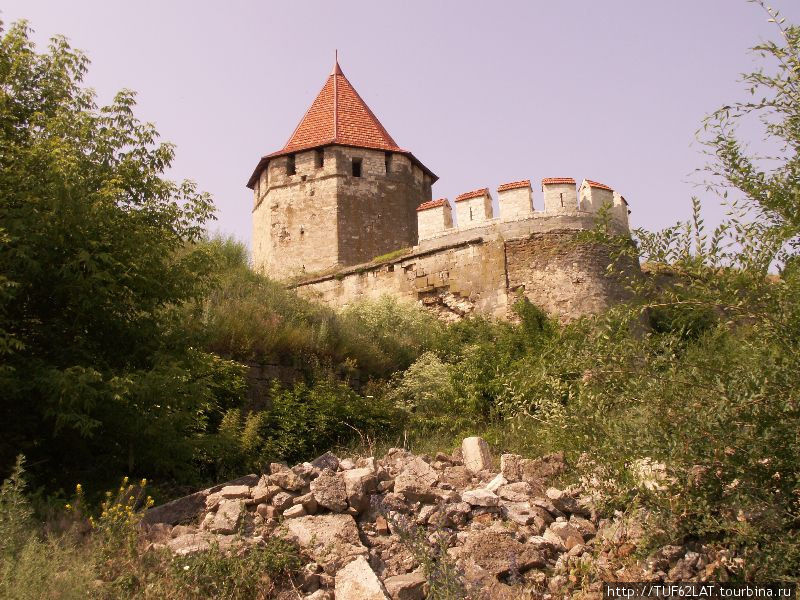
{"x": 432, "y": 204}
{"x": 337, "y": 115}
{"x": 514, "y": 185}
{"x": 598, "y": 185}
{"x": 473, "y": 194}
{"x": 550, "y": 180}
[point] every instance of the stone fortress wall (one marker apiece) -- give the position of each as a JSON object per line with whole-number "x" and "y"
{"x": 481, "y": 263}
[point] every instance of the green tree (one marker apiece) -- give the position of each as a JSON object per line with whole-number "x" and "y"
{"x": 766, "y": 185}
{"x": 97, "y": 248}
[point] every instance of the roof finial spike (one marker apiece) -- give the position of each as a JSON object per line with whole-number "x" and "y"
{"x": 336, "y": 69}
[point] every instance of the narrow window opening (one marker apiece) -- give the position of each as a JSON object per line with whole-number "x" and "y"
{"x": 562, "y": 200}
{"x": 356, "y": 167}
{"x": 290, "y": 168}
{"x": 470, "y": 213}
{"x": 319, "y": 158}
{"x": 388, "y": 161}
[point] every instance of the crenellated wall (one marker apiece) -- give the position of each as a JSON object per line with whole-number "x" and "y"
{"x": 484, "y": 269}
{"x": 515, "y": 201}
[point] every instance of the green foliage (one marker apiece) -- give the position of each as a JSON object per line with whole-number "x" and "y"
{"x": 96, "y": 250}
{"x": 217, "y": 574}
{"x": 301, "y": 422}
{"x": 390, "y": 334}
{"x": 769, "y": 188}
{"x": 15, "y": 512}
{"x": 249, "y": 317}
{"x": 391, "y": 255}
{"x": 32, "y": 566}
{"x": 445, "y": 581}
{"x": 109, "y": 561}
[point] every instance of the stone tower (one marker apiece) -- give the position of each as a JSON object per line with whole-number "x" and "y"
{"x": 340, "y": 192}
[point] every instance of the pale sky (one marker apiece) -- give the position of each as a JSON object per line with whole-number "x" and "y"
{"x": 481, "y": 92}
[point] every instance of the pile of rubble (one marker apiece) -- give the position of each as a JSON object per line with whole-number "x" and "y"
{"x": 392, "y": 528}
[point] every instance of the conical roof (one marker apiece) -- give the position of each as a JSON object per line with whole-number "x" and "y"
{"x": 340, "y": 116}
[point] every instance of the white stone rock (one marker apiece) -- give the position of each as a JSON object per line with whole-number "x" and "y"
{"x": 189, "y": 543}
{"x": 357, "y": 581}
{"x": 330, "y": 538}
{"x": 235, "y": 491}
{"x": 294, "y": 512}
{"x": 495, "y": 483}
{"x": 358, "y": 484}
{"x": 416, "y": 481}
{"x": 226, "y": 520}
{"x": 476, "y": 454}
{"x": 480, "y": 497}
{"x": 409, "y": 586}
{"x": 519, "y": 512}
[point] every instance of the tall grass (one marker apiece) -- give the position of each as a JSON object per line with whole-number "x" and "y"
{"x": 249, "y": 317}
{"x": 108, "y": 559}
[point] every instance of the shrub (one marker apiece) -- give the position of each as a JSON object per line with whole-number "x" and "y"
{"x": 301, "y": 422}
{"x": 217, "y": 574}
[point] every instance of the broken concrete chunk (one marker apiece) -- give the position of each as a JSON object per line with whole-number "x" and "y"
{"x": 480, "y": 497}
{"x": 511, "y": 467}
{"x": 226, "y": 519}
{"x": 189, "y": 543}
{"x": 410, "y": 586}
{"x": 496, "y": 483}
{"x": 326, "y": 461}
{"x": 235, "y": 491}
{"x": 357, "y": 581}
{"x": 416, "y": 481}
{"x": 515, "y": 492}
{"x": 359, "y": 483}
{"x": 282, "y": 500}
{"x": 519, "y": 512}
{"x": 329, "y": 539}
{"x": 287, "y": 480}
{"x": 498, "y": 553}
{"x": 476, "y": 454}
{"x": 329, "y": 491}
{"x": 562, "y": 501}
{"x": 294, "y": 512}
{"x": 263, "y": 492}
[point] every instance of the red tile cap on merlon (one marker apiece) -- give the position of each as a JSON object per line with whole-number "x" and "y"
{"x": 595, "y": 184}
{"x": 473, "y": 194}
{"x": 552, "y": 180}
{"x": 514, "y": 185}
{"x": 432, "y": 204}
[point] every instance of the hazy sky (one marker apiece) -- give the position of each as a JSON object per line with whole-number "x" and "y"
{"x": 482, "y": 92}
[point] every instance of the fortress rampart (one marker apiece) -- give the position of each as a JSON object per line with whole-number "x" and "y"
{"x": 341, "y": 192}
{"x": 484, "y": 264}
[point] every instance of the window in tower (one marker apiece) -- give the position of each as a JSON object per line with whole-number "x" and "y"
{"x": 290, "y": 168}
{"x": 388, "y": 160}
{"x": 319, "y": 158}
{"x": 356, "y": 167}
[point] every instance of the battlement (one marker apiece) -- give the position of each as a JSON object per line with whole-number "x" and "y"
{"x": 516, "y": 202}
